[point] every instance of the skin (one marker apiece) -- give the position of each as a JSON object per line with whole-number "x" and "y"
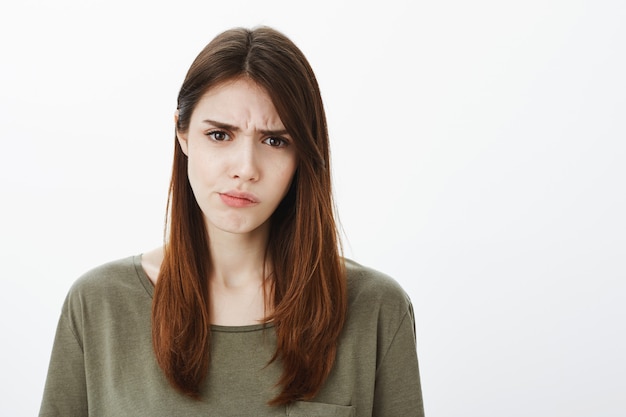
{"x": 236, "y": 143}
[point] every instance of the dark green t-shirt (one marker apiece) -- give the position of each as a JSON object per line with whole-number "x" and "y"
{"x": 102, "y": 363}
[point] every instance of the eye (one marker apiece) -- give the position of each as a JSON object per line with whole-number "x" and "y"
{"x": 276, "y": 142}
{"x": 218, "y": 135}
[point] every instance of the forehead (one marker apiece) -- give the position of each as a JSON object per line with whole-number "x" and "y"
{"x": 240, "y": 102}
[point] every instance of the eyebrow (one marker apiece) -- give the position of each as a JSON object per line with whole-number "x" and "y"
{"x": 232, "y": 128}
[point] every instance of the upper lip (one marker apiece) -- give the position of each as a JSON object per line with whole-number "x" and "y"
{"x": 243, "y": 195}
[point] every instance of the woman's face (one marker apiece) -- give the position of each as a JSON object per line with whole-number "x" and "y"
{"x": 241, "y": 160}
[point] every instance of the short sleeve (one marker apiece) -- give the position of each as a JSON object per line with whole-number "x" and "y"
{"x": 398, "y": 390}
{"x": 65, "y": 392}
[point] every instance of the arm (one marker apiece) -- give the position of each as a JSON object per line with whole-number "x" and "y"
{"x": 398, "y": 390}
{"x": 65, "y": 392}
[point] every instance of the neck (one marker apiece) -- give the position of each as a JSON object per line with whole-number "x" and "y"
{"x": 239, "y": 291}
{"x": 238, "y": 260}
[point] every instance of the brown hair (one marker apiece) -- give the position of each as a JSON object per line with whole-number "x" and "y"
{"x": 308, "y": 278}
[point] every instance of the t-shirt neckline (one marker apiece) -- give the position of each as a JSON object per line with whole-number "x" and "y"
{"x": 149, "y": 287}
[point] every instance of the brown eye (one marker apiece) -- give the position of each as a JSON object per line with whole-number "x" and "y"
{"x": 275, "y": 142}
{"x": 218, "y": 135}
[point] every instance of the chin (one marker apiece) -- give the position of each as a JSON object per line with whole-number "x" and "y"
{"x": 235, "y": 227}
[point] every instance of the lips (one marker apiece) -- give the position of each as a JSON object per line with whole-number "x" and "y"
{"x": 236, "y": 198}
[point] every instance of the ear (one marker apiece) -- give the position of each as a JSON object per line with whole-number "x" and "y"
{"x": 181, "y": 136}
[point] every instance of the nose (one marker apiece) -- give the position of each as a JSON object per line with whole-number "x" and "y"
{"x": 244, "y": 165}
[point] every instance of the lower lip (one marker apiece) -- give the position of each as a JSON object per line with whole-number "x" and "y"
{"x": 231, "y": 201}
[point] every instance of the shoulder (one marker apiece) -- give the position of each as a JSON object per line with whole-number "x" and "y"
{"x": 367, "y": 285}
{"x": 379, "y": 311}
{"x": 376, "y": 302}
{"x": 107, "y": 284}
{"x": 105, "y": 277}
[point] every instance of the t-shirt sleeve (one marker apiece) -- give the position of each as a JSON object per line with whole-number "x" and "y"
{"x": 65, "y": 392}
{"x": 398, "y": 390}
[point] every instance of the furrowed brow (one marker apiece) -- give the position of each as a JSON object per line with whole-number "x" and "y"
{"x": 222, "y": 125}
{"x": 282, "y": 132}
{"x": 226, "y": 126}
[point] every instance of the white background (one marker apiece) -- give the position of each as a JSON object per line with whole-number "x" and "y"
{"x": 479, "y": 158}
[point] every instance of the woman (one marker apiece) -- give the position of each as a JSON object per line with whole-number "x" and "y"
{"x": 248, "y": 309}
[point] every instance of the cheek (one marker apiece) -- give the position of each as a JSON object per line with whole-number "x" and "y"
{"x": 287, "y": 172}
{"x": 192, "y": 168}
{"x": 199, "y": 171}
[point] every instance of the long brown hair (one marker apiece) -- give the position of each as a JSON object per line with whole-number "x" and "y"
{"x": 308, "y": 278}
